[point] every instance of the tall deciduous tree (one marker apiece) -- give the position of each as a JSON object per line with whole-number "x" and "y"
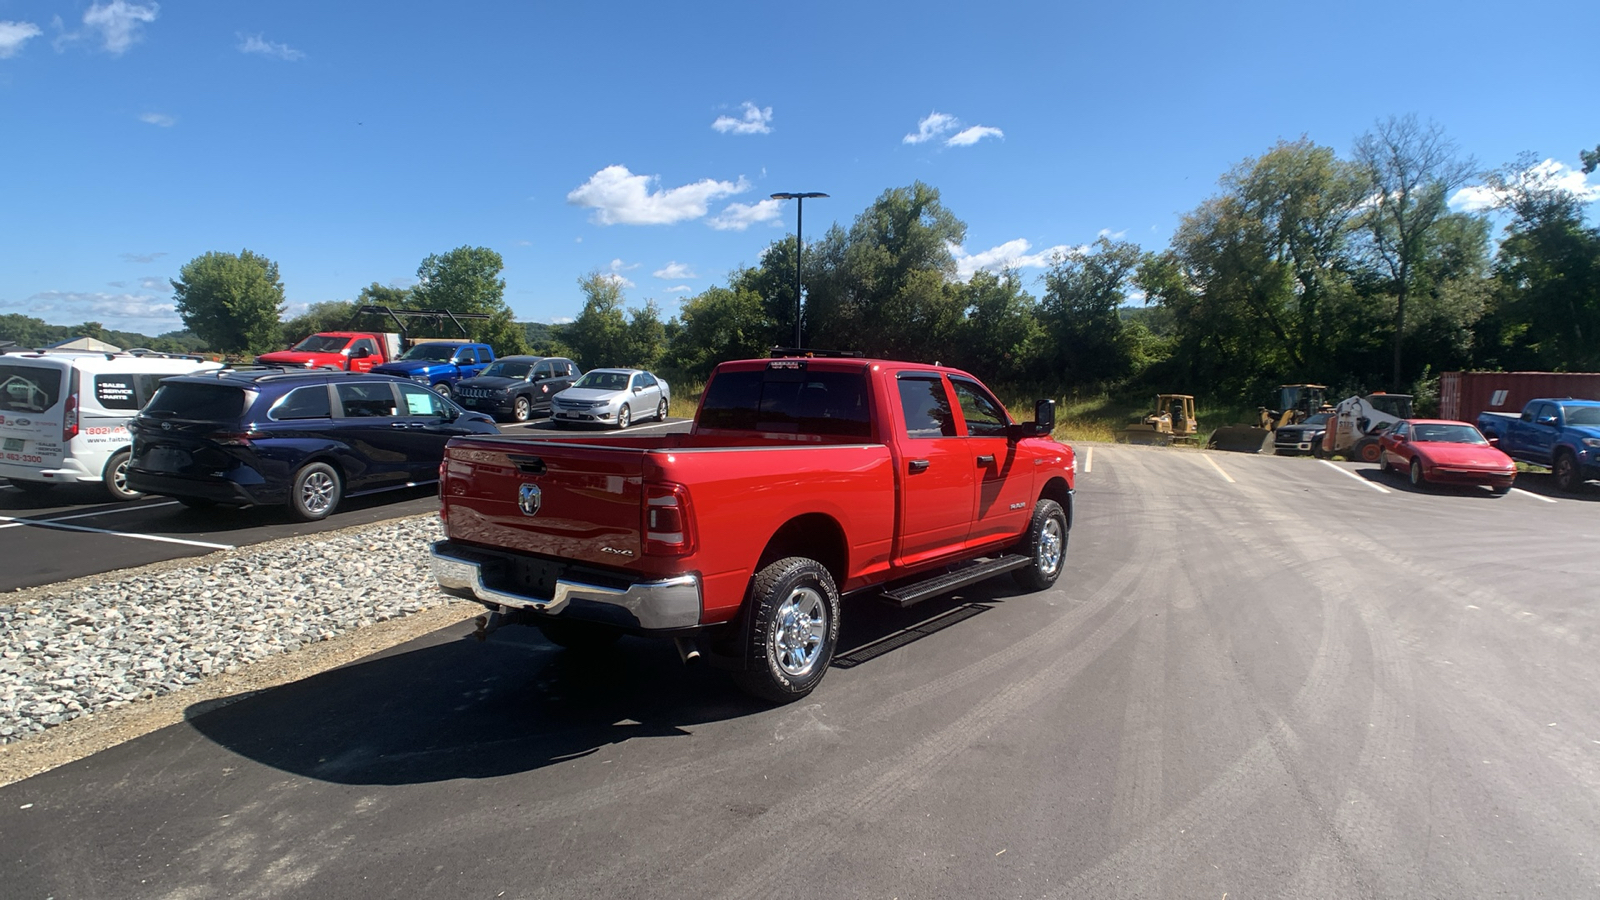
{"x": 467, "y": 280}
{"x": 1083, "y": 291}
{"x": 231, "y": 301}
{"x": 1000, "y": 337}
{"x": 720, "y": 324}
{"x": 599, "y": 336}
{"x": 329, "y": 315}
{"x": 1410, "y": 171}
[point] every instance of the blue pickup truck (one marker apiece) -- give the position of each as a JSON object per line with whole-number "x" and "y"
{"x": 440, "y": 364}
{"x": 1561, "y": 434}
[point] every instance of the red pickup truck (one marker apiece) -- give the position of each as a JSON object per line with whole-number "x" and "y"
{"x": 355, "y": 351}
{"x": 801, "y": 480}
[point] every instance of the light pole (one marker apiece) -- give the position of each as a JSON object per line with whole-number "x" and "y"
{"x": 799, "y": 248}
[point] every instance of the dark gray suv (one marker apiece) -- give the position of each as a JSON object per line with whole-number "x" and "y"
{"x": 267, "y": 436}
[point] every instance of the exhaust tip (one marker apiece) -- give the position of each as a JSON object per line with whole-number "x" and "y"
{"x": 688, "y": 651}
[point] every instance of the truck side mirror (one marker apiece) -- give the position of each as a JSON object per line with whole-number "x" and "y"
{"x": 1044, "y": 416}
{"x": 360, "y": 353}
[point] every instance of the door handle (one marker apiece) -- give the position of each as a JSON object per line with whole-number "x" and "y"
{"x": 919, "y": 465}
{"x": 986, "y": 460}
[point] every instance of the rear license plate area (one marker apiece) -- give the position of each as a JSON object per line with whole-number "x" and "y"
{"x": 14, "y": 445}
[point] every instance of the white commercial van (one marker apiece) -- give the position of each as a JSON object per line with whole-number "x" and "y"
{"x": 64, "y": 413}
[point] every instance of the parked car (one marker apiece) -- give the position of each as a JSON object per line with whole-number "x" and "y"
{"x": 440, "y": 365}
{"x": 64, "y": 413}
{"x": 1445, "y": 452}
{"x": 1304, "y": 437}
{"x": 520, "y": 387}
{"x": 1563, "y": 434}
{"x": 306, "y": 439}
{"x": 612, "y": 397}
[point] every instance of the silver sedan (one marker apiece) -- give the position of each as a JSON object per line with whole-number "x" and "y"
{"x": 611, "y": 397}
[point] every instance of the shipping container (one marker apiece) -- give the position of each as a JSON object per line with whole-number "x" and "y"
{"x": 1462, "y": 395}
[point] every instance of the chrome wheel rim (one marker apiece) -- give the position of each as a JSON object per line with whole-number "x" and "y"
{"x": 798, "y": 630}
{"x": 1050, "y": 547}
{"x": 661, "y": 410}
{"x": 316, "y": 493}
{"x": 119, "y": 477}
{"x": 442, "y": 390}
{"x": 623, "y": 418}
{"x": 522, "y": 409}
{"x": 1416, "y": 472}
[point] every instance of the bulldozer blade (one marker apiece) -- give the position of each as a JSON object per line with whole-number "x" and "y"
{"x": 1145, "y": 436}
{"x": 1239, "y": 438}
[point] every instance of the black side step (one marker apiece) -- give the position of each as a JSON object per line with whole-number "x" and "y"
{"x": 905, "y": 593}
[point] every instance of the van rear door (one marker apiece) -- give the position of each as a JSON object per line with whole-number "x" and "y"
{"x": 34, "y": 400}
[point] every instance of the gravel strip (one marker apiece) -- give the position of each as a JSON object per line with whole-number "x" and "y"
{"x": 103, "y": 643}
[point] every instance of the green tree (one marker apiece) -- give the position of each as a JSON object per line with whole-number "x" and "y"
{"x": 376, "y": 294}
{"x": 1410, "y": 170}
{"x": 467, "y": 280}
{"x": 647, "y": 336}
{"x": 231, "y": 301}
{"x": 1000, "y": 337}
{"x": 719, "y": 324}
{"x": 599, "y": 336}
{"x": 329, "y": 315}
{"x": 1084, "y": 292}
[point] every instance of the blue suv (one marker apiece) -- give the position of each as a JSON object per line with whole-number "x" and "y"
{"x": 267, "y": 436}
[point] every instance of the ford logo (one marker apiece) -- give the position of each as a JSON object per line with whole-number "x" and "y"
{"x": 529, "y": 497}
{"x": 22, "y": 421}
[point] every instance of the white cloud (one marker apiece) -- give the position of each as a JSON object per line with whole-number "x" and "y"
{"x": 756, "y": 120}
{"x": 1114, "y": 235}
{"x": 1546, "y": 175}
{"x": 155, "y": 284}
{"x": 616, "y": 277}
{"x": 562, "y": 320}
{"x": 13, "y": 35}
{"x": 143, "y": 258}
{"x": 739, "y": 216}
{"x": 260, "y": 46}
{"x": 160, "y": 120}
{"x": 973, "y": 135}
{"x": 932, "y": 126}
{"x": 1010, "y": 255}
{"x": 143, "y": 313}
{"x": 619, "y": 197}
{"x": 674, "y": 270}
{"x": 120, "y": 23}
{"x": 680, "y": 289}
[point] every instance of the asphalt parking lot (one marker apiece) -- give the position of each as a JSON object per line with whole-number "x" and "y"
{"x": 74, "y": 530}
{"x": 1259, "y": 677}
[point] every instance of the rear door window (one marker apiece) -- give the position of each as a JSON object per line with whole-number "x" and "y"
{"x": 309, "y": 402}
{"x": 29, "y": 388}
{"x": 364, "y": 399}
{"x": 198, "y": 402}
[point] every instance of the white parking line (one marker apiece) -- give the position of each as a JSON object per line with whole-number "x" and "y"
{"x": 1214, "y": 465}
{"x": 1088, "y": 460}
{"x": 11, "y": 522}
{"x": 1377, "y": 487}
{"x": 1517, "y": 490}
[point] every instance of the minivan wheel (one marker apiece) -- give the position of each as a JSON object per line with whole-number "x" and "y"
{"x": 316, "y": 492}
{"x": 116, "y": 477}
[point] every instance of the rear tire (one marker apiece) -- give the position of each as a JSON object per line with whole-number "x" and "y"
{"x": 579, "y": 637}
{"x": 1500, "y": 490}
{"x": 316, "y": 493}
{"x": 793, "y": 629}
{"x": 661, "y": 410}
{"x": 1565, "y": 469}
{"x": 1046, "y": 545}
{"x": 116, "y": 477}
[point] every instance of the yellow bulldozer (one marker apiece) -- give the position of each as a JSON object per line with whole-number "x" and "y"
{"x": 1172, "y": 422}
{"x": 1296, "y": 403}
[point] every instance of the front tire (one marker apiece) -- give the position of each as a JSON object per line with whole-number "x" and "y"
{"x": 793, "y": 630}
{"x": 1369, "y": 451}
{"x": 116, "y": 477}
{"x": 1417, "y": 479}
{"x": 522, "y": 409}
{"x": 1046, "y": 545}
{"x": 624, "y": 417}
{"x": 661, "y": 410}
{"x": 443, "y": 390}
{"x": 1565, "y": 470}
{"x": 316, "y": 492}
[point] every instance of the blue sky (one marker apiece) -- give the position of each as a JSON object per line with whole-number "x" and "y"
{"x": 347, "y": 141}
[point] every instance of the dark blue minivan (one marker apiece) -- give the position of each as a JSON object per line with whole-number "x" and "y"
{"x": 270, "y": 436}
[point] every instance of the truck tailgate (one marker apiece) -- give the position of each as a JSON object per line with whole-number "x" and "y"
{"x": 577, "y": 501}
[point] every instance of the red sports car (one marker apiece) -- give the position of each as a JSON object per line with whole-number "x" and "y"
{"x": 1445, "y": 452}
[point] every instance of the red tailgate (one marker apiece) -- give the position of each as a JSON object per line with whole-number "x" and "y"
{"x": 578, "y": 502}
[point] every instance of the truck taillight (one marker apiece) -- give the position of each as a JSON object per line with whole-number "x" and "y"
{"x": 668, "y": 525}
{"x": 444, "y": 517}
{"x": 69, "y": 418}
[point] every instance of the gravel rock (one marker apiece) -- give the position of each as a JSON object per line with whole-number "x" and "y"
{"x": 103, "y": 643}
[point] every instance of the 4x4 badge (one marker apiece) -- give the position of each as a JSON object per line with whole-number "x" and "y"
{"x": 529, "y": 497}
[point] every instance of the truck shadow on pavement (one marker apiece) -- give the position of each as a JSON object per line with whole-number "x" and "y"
{"x": 446, "y": 706}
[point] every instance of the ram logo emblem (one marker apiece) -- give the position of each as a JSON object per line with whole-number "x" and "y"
{"x": 529, "y": 499}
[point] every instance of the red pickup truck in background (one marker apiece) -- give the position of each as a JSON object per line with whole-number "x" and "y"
{"x": 353, "y": 351}
{"x": 801, "y": 480}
